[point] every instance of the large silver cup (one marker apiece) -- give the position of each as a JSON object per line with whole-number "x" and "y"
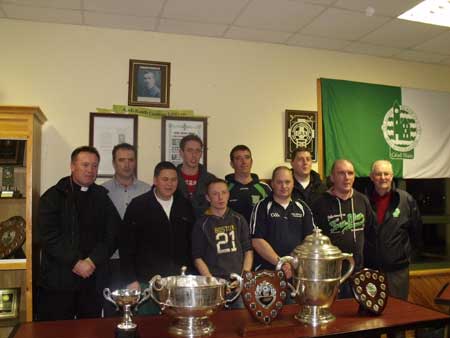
{"x": 126, "y": 298}
{"x": 190, "y": 300}
{"x": 317, "y": 266}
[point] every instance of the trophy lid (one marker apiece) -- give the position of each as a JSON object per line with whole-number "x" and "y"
{"x": 191, "y": 281}
{"x": 317, "y": 246}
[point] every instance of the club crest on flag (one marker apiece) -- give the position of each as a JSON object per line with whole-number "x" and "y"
{"x": 401, "y": 130}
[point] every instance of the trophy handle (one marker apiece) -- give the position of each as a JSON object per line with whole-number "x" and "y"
{"x": 349, "y": 258}
{"x": 294, "y": 264}
{"x": 145, "y": 295}
{"x": 152, "y": 286}
{"x": 107, "y": 295}
{"x": 240, "y": 287}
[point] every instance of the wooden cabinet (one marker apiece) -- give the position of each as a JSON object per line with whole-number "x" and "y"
{"x": 22, "y": 123}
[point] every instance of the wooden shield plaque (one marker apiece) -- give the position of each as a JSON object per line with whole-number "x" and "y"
{"x": 12, "y": 235}
{"x": 370, "y": 290}
{"x": 264, "y": 293}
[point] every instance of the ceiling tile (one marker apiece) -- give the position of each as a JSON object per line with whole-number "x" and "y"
{"x": 63, "y": 4}
{"x": 413, "y": 55}
{"x": 315, "y": 42}
{"x": 343, "y": 24}
{"x": 150, "y": 8}
{"x": 208, "y": 11}
{"x": 191, "y": 28}
{"x": 43, "y": 14}
{"x": 402, "y": 34}
{"x": 392, "y": 8}
{"x": 439, "y": 44}
{"x": 363, "y": 48}
{"x": 239, "y": 33}
{"x": 280, "y": 15}
{"x": 119, "y": 21}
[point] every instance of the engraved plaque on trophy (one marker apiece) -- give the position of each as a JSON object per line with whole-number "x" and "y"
{"x": 264, "y": 293}
{"x": 370, "y": 290}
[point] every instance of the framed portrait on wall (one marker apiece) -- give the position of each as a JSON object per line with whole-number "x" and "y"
{"x": 301, "y": 131}
{"x": 108, "y": 130}
{"x": 173, "y": 129}
{"x": 149, "y": 83}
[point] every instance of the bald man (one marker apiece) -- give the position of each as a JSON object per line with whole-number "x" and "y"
{"x": 344, "y": 215}
{"x": 389, "y": 245}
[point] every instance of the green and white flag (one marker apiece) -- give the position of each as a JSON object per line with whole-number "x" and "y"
{"x": 365, "y": 122}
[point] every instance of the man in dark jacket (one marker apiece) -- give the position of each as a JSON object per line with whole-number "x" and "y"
{"x": 156, "y": 232}
{"x": 390, "y": 243}
{"x": 308, "y": 185}
{"x": 78, "y": 226}
{"x": 192, "y": 176}
{"x": 344, "y": 216}
{"x": 245, "y": 187}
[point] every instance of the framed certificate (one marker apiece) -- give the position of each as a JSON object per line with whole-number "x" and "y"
{"x": 173, "y": 129}
{"x": 108, "y": 130}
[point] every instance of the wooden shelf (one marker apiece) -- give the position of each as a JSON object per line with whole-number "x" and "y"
{"x": 23, "y": 123}
{"x": 13, "y": 264}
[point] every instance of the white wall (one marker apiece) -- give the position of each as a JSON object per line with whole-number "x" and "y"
{"x": 243, "y": 87}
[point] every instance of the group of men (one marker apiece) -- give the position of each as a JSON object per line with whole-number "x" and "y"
{"x": 213, "y": 226}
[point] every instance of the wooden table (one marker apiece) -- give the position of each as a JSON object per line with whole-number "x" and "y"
{"x": 229, "y": 323}
{"x": 443, "y": 297}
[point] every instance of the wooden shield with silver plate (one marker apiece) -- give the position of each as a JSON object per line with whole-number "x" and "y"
{"x": 264, "y": 294}
{"x": 12, "y": 235}
{"x": 370, "y": 290}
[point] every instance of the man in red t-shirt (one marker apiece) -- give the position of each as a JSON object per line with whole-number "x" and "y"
{"x": 192, "y": 176}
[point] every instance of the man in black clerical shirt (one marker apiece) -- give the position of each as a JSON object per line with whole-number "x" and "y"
{"x": 77, "y": 228}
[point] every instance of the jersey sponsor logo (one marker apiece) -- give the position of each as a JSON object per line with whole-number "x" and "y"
{"x": 275, "y": 214}
{"x": 297, "y": 214}
{"x": 255, "y": 199}
{"x": 346, "y": 222}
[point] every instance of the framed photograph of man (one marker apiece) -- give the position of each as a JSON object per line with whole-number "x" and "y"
{"x": 108, "y": 130}
{"x": 149, "y": 83}
{"x": 173, "y": 129}
{"x": 301, "y": 131}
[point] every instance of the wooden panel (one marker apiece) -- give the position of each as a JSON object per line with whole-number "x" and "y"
{"x": 424, "y": 285}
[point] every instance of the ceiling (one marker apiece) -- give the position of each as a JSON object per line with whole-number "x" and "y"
{"x": 365, "y": 27}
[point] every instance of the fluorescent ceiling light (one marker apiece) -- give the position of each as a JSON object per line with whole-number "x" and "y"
{"x": 435, "y": 12}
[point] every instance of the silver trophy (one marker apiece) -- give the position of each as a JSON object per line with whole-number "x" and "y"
{"x": 317, "y": 276}
{"x": 189, "y": 300}
{"x": 126, "y": 298}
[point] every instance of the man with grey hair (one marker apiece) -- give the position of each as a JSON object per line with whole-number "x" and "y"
{"x": 389, "y": 245}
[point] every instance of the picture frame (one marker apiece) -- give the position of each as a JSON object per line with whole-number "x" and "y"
{"x": 149, "y": 83}
{"x": 9, "y": 303}
{"x": 107, "y": 130}
{"x": 174, "y": 128}
{"x": 301, "y": 131}
{"x": 12, "y": 152}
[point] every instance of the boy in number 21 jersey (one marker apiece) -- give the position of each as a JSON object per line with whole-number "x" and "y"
{"x": 220, "y": 238}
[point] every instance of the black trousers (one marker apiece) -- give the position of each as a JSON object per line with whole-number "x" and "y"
{"x": 59, "y": 305}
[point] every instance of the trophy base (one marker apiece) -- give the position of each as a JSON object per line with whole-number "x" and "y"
{"x": 131, "y": 333}
{"x": 314, "y": 315}
{"x": 191, "y": 327}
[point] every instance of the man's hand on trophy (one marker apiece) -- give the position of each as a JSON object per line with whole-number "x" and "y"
{"x": 134, "y": 286}
{"x": 287, "y": 269}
